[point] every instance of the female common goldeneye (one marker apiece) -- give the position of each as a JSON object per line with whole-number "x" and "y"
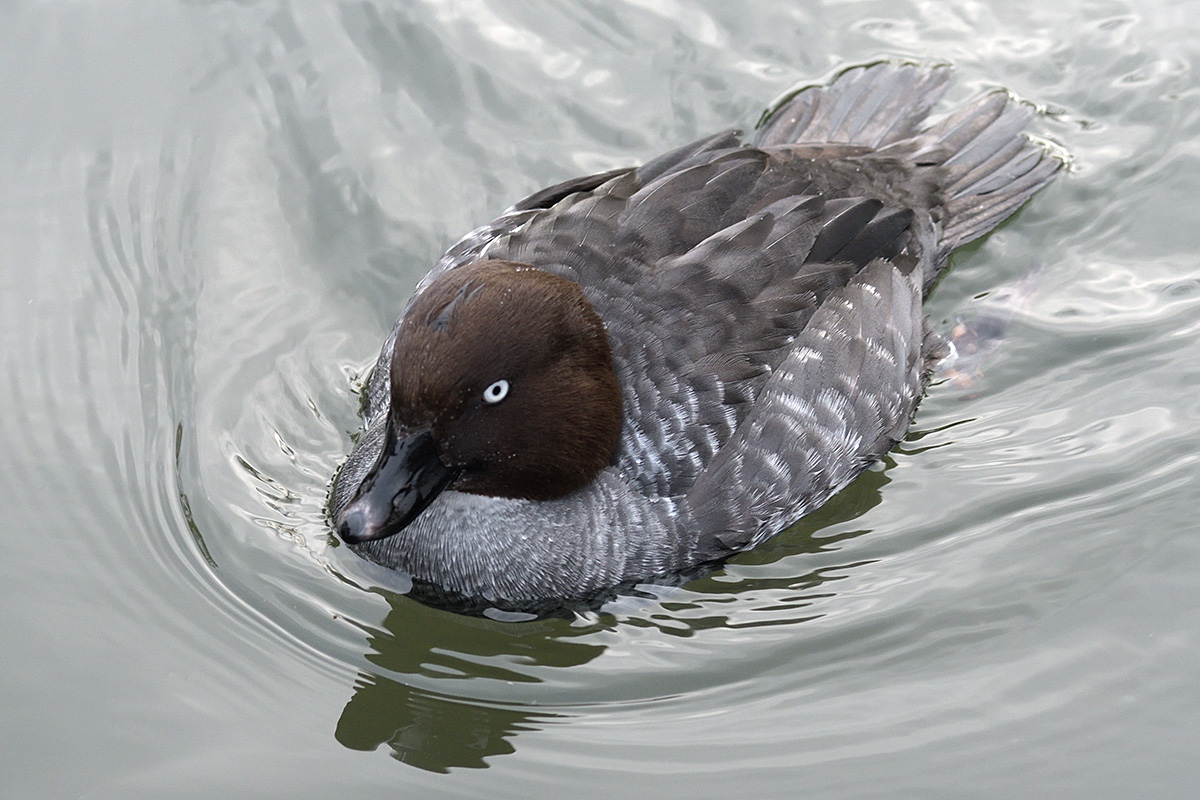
{"x": 634, "y": 373}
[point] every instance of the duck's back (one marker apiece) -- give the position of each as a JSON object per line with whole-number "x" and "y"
{"x": 710, "y": 264}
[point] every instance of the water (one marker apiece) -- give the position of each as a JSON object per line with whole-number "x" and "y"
{"x": 210, "y": 214}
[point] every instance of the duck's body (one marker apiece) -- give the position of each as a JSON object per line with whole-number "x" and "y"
{"x": 762, "y": 311}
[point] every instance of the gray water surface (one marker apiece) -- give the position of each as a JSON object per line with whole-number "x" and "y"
{"x": 210, "y": 214}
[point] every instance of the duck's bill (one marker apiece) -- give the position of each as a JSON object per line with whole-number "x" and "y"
{"x": 403, "y": 482}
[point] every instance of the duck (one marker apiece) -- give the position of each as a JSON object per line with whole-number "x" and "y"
{"x": 631, "y": 375}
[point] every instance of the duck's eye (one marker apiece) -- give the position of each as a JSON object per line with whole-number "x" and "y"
{"x": 496, "y": 392}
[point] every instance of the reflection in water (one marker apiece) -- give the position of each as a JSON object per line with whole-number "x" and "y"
{"x": 426, "y": 730}
{"x": 436, "y": 731}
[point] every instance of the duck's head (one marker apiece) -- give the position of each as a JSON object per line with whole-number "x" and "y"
{"x": 502, "y": 384}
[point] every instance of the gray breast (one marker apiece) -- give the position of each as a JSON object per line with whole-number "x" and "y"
{"x": 520, "y": 552}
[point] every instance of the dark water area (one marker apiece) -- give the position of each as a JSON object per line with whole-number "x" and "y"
{"x": 210, "y": 215}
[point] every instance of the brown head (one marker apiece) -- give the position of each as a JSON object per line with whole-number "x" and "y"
{"x": 502, "y": 384}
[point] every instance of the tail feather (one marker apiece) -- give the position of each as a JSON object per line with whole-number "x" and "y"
{"x": 993, "y": 167}
{"x": 971, "y": 215}
{"x": 873, "y": 105}
{"x": 983, "y": 164}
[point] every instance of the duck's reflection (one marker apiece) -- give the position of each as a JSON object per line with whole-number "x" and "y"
{"x": 427, "y": 730}
{"x": 436, "y": 731}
